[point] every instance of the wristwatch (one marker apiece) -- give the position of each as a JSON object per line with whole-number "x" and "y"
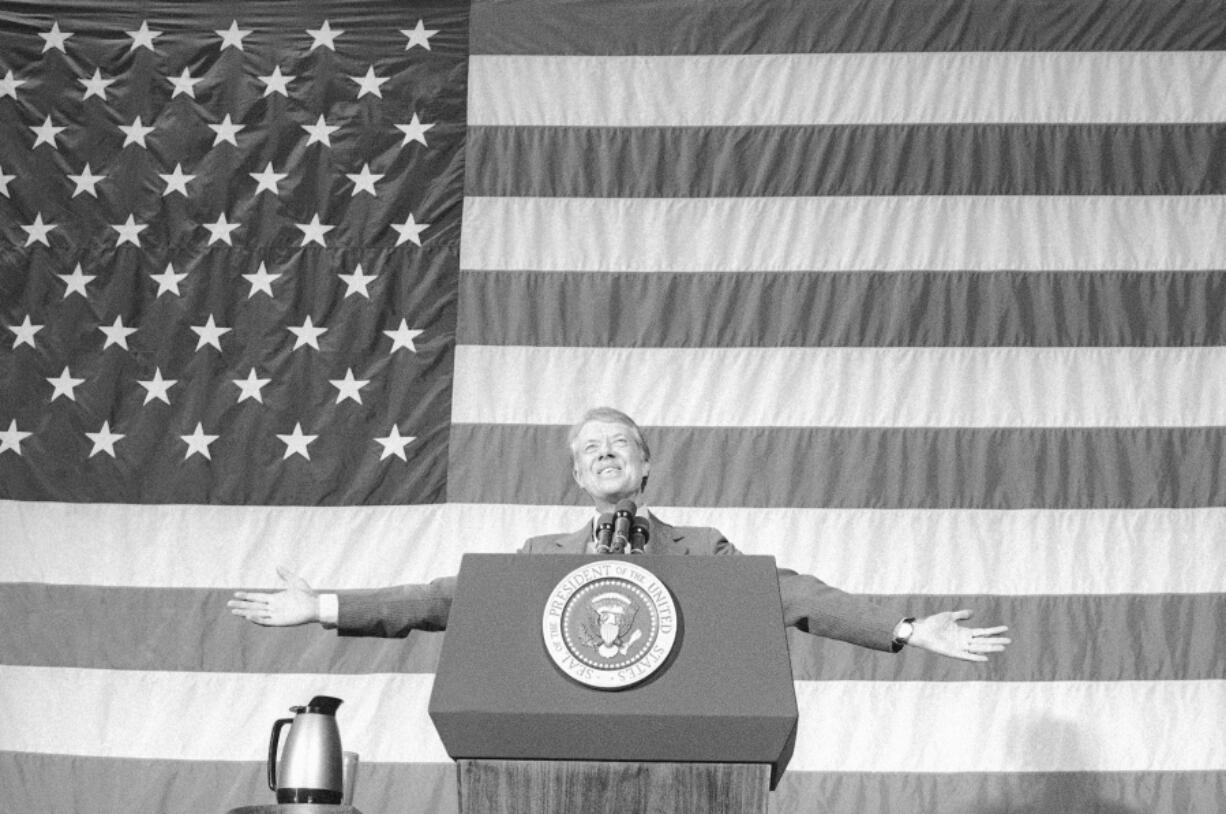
{"x": 902, "y": 633}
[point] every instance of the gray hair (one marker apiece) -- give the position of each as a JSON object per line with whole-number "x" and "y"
{"x": 611, "y": 415}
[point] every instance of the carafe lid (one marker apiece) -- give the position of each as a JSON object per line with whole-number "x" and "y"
{"x": 322, "y": 704}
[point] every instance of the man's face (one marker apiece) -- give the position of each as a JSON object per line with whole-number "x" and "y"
{"x": 608, "y": 463}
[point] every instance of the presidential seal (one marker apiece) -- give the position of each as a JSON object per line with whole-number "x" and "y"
{"x": 609, "y": 624}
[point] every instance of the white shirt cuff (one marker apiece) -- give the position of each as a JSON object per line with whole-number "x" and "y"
{"x": 329, "y": 610}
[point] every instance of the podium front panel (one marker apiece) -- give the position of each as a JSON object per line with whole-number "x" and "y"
{"x": 724, "y": 695}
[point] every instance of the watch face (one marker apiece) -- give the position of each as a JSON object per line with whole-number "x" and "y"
{"x": 905, "y": 629}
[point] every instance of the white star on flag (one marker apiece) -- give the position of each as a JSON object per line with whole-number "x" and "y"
{"x": 135, "y": 133}
{"x": 403, "y": 337}
{"x": 296, "y": 443}
{"x": 198, "y": 442}
{"x": 325, "y": 36}
{"x": 86, "y": 181}
{"x": 307, "y": 333}
{"x": 157, "y": 387}
{"x": 226, "y": 131}
{"x": 175, "y": 181}
{"x": 356, "y": 283}
{"x": 12, "y": 438}
{"x": 232, "y": 37}
{"x": 104, "y": 440}
{"x": 209, "y": 334}
{"x": 276, "y": 82}
{"x": 9, "y": 85}
{"x": 116, "y": 334}
{"x": 320, "y": 132}
{"x": 267, "y": 180}
{"x": 220, "y": 230}
{"x": 369, "y": 83}
{"x": 261, "y": 280}
{"x": 314, "y": 231}
{"x": 76, "y": 281}
{"x": 46, "y": 133}
{"x": 162, "y": 76}
{"x": 142, "y": 37}
{"x": 96, "y": 85}
{"x": 25, "y": 332}
{"x": 364, "y": 181}
{"x": 419, "y": 35}
{"x": 184, "y": 83}
{"x": 65, "y": 385}
{"x": 168, "y": 281}
{"x": 129, "y": 231}
{"x": 37, "y": 231}
{"x": 55, "y": 39}
{"x": 410, "y": 231}
{"x": 348, "y": 387}
{"x": 250, "y": 387}
{"x": 414, "y": 131}
{"x": 394, "y": 444}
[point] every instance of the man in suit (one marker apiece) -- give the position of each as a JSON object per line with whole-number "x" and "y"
{"x": 611, "y": 462}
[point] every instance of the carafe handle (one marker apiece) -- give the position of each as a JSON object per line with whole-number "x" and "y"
{"x": 272, "y": 750}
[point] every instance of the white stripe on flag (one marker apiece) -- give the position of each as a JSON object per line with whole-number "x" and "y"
{"x": 207, "y": 716}
{"x": 848, "y": 387}
{"x": 845, "y": 725}
{"x": 880, "y": 233}
{"x": 972, "y": 726}
{"x": 203, "y": 546}
{"x": 874, "y": 88}
{"x": 941, "y": 551}
{"x": 982, "y": 551}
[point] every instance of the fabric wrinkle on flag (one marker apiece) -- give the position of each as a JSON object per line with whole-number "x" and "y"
{"x": 921, "y": 297}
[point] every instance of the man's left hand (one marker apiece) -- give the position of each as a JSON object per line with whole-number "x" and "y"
{"x": 941, "y": 633}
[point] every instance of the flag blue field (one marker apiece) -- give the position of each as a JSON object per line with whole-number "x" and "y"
{"x": 925, "y": 298}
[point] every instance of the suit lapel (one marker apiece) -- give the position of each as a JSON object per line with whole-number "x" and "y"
{"x": 575, "y": 543}
{"x": 665, "y": 539}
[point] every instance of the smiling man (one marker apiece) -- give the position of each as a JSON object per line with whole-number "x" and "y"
{"x": 611, "y": 462}
{"x": 610, "y": 457}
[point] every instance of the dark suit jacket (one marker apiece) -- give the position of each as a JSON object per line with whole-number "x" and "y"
{"x": 661, "y": 539}
{"x": 808, "y": 603}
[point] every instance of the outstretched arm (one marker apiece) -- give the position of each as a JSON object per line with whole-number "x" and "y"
{"x": 389, "y": 612}
{"x": 941, "y": 633}
{"x": 815, "y": 607}
{"x": 296, "y": 604}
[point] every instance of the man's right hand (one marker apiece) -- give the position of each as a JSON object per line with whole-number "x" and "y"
{"x": 297, "y": 604}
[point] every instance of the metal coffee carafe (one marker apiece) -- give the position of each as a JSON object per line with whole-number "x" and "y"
{"x": 311, "y": 762}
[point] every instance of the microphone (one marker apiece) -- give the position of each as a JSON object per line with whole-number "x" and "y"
{"x": 604, "y": 533}
{"x": 623, "y": 515}
{"x": 639, "y": 535}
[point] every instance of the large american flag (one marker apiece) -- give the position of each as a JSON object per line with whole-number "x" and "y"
{"x": 926, "y": 298}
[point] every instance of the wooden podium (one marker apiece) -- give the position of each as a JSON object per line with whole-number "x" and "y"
{"x": 711, "y": 730}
